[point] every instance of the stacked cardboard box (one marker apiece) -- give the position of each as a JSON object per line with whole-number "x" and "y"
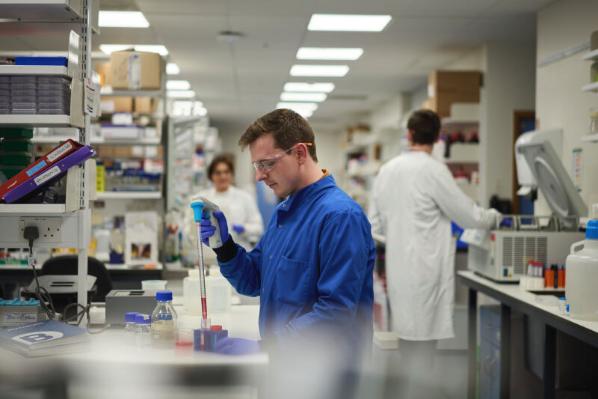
{"x": 448, "y": 87}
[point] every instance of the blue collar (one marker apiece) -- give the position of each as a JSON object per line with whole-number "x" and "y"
{"x": 307, "y": 193}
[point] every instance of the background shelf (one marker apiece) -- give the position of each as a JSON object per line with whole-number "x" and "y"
{"x": 128, "y": 195}
{"x": 37, "y": 120}
{"x": 32, "y": 209}
{"x": 40, "y": 11}
{"x": 33, "y": 70}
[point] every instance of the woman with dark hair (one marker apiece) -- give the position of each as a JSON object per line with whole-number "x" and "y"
{"x": 245, "y": 220}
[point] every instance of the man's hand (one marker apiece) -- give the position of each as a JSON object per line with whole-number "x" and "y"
{"x": 209, "y": 230}
{"x": 237, "y": 346}
{"x": 238, "y": 228}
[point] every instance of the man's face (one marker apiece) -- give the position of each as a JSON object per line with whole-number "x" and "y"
{"x": 277, "y": 168}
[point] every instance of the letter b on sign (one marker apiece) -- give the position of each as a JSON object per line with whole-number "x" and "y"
{"x": 36, "y": 337}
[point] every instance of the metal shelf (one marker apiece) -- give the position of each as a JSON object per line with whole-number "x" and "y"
{"x": 95, "y": 140}
{"x": 592, "y": 55}
{"x": 124, "y": 266}
{"x": 132, "y": 93}
{"x": 590, "y": 87}
{"x": 33, "y": 70}
{"x": 32, "y": 209}
{"x": 42, "y": 10}
{"x": 129, "y": 195}
{"x": 590, "y": 138}
{"x": 37, "y": 120}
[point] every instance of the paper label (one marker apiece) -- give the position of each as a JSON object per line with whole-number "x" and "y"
{"x": 47, "y": 175}
{"x": 36, "y": 168}
{"x": 59, "y": 152}
{"x": 134, "y": 71}
{"x": 92, "y": 99}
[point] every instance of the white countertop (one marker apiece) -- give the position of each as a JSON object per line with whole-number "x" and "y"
{"x": 545, "y": 303}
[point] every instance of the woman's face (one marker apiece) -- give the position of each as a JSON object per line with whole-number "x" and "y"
{"x": 222, "y": 177}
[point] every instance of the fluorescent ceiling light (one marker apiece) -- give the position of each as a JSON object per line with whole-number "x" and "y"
{"x": 329, "y": 53}
{"x": 122, "y": 19}
{"x": 319, "y": 70}
{"x": 309, "y": 87}
{"x": 348, "y": 22}
{"x": 172, "y": 69}
{"x": 315, "y": 97}
{"x": 150, "y": 48}
{"x": 180, "y": 93}
{"x": 303, "y": 109}
{"x": 178, "y": 85}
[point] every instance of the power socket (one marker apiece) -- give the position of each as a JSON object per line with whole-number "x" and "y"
{"x": 49, "y": 227}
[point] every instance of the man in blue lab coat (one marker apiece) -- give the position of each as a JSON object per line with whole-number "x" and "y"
{"x": 313, "y": 267}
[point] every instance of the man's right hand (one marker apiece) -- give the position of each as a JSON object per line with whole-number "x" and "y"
{"x": 209, "y": 231}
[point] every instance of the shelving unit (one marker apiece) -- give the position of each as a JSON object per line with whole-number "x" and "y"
{"x": 74, "y": 225}
{"x": 591, "y": 87}
{"x": 591, "y": 56}
{"x": 128, "y": 195}
{"x": 95, "y": 140}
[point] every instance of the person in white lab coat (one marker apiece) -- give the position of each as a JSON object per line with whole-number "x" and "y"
{"x": 414, "y": 199}
{"x": 245, "y": 221}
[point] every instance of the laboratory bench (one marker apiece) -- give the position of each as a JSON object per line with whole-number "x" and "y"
{"x": 537, "y": 307}
{"x": 109, "y": 360}
{"x": 123, "y": 276}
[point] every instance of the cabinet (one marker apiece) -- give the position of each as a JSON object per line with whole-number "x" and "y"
{"x": 74, "y": 225}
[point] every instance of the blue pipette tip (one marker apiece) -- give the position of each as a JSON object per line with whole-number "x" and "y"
{"x": 197, "y": 206}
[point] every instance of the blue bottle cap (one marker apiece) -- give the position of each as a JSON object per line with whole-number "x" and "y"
{"x": 130, "y": 317}
{"x": 164, "y": 296}
{"x": 142, "y": 319}
{"x": 592, "y": 230}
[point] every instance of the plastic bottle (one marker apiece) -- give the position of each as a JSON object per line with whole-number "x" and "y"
{"x": 130, "y": 327}
{"x": 164, "y": 318}
{"x": 142, "y": 330}
{"x": 218, "y": 292}
{"x": 582, "y": 274}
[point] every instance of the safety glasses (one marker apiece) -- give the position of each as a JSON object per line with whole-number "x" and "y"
{"x": 265, "y": 165}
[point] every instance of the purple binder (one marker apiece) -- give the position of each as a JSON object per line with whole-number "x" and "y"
{"x": 58, "y": 169}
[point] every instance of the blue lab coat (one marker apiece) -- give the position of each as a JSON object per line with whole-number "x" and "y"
{"x": 313, "y": 267}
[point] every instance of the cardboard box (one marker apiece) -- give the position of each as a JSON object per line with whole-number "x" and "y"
{"x": 454, "y": 82}
{"x": 442, "y": 103}
{"x": 145, "y": 105}
{"x": 103, "y": 71}
{"x": 135, "y": 70}
{"x": 111, "y": 105}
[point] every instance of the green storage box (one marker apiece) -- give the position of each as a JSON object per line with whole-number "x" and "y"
{"x": 16, "y": 146}
{"x": 16, "y": 133}
{"x": 15, "y": 158}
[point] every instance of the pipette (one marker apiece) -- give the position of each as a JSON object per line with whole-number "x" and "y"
{"x": 200, "y": 205}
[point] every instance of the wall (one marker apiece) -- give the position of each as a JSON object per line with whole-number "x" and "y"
{"x": 509, "y": 85}
{"x": 328, "y": 147}
{"x": 560, "y": 103}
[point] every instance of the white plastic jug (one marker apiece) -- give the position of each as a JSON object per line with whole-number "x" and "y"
{"x": 218, "y": 293}
{"x": 582, "y": 275}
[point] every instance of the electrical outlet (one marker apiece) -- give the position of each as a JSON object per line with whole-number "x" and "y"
{"x": 49, "y": 227}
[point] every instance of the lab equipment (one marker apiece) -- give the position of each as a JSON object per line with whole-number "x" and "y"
{"x": 130, "y": 327}
{"x": 153, "y": 285}
{"x": 207, "y": 339}
{"x": 16, "y": 312}
{"x": 502, "y": 254}
{"x": 143, "y": 337}
{"x": 163, "y": 321}
{"x": 119, "y": 302}
{"x": 582, "y": 274}
{"x": 200, "y": 206}
{"x": 218, "y": 292}
{"x": 525, "y": 177}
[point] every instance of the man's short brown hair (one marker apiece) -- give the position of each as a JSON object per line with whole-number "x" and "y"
{"x": 425, "y": 126}
{"x": 287, "y": 128}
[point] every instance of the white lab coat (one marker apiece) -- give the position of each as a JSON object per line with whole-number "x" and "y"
{"x": 239, "y": 207}
{"x": 414, "y": 199}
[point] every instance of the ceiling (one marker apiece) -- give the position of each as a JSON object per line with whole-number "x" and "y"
{"x": 240, "y": 81}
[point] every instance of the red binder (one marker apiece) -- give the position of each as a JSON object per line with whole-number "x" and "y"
{"x": 39, "y": 166}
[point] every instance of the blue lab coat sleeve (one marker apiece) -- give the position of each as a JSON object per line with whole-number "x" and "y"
{"x": 243, "y": 271}
{"x": 346, "y": 253}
